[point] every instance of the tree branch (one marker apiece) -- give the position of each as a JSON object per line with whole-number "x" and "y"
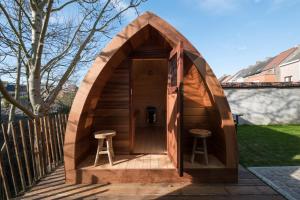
{"x": 24, "y": 11}
{"x": 75, "y": 60}
{"x": 63, "y": 5}
{"x": 77, "y": 56}
{"x": 11, "y": 100}
{"x": 55, "y": 59}
{"x": 14, "y": 30}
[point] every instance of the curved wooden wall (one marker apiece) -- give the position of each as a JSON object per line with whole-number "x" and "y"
{"x": 112, "y": 110}
{"x": 81, "y": 119}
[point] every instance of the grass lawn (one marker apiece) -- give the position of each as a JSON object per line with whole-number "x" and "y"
{"x": 274, "y": 145}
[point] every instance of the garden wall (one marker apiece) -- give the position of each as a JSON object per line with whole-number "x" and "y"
{"x": 264, "y": 103}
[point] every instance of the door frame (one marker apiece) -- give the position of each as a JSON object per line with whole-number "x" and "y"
{"x": 132, "y": 114}
{"x": 177, "y": 90}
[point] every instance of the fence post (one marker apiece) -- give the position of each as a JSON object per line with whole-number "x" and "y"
{"x": 46, "y": 134}
{"x": 21, "y": 125}
{"x": 44, "y": 153}
{"x": 32, "y": 150}
{"x": 54, "y": 139}
{"x": 4, "y": 178}
{"x": 58, "y": 135}
{"x": 43, "y": 145}
{"x": 61, "y": 129}
{"x": 8, "y": 153}
{"x": 19, "y": 162}
{"x": 38, "y": 154}
{"x": 50, "y": 139}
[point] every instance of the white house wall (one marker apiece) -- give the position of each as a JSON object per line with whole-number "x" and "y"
{"x": 292, "y": 69}
{"x": 263, "y": 106}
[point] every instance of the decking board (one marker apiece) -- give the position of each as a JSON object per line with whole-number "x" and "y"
{"x": 249, "y": 187}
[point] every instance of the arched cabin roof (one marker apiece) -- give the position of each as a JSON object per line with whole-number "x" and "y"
{"x": 81, "y": 118}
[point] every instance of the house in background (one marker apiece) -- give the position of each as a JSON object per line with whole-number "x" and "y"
{"x": 290, "y": 67}
{"x": 10, "y": 88}
{"x": 237, "y": 77}
{"x": 245, "y": 75}
{"x": 283, "y": 67}
{"x": 273, "y": 69}
{"x": 224, "y": 78}
{"x": 257, "y": 72}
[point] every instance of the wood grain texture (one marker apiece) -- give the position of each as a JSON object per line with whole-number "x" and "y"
{"x": 150, "y": 140}
{"x": 248, "y": 187}
{"x": 105, "y": 84}
{"x": 149, "y": 87}
{"x": 113, "y": 108}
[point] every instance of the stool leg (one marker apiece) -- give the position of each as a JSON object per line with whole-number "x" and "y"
{"x": 194, "y": 149}
{"x": 99, "y": 148}
{"x": 109, "y": 153}
{"x": 205, "y": 151}
{"x": 111, "y": 145}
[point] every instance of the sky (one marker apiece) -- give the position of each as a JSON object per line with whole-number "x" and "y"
{"x": 232, "y": 34}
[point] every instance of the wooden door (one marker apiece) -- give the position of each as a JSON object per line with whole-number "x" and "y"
{"x": 175, "y": 107}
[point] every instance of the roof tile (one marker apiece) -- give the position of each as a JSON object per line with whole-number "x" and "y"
{"x": 279, "y": 58}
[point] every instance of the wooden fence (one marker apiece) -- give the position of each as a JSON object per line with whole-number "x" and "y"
{"x": 30, "y": 150}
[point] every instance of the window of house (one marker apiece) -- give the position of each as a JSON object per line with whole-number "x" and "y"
{"x": 288, "y": 79}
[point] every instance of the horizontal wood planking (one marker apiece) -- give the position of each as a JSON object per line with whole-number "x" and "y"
{"x": 197, "y": 105}
{"x": 149, "y": 87}
{"x": 199, "y": 111}
{"x": 196, "y": 99}
{"x": 112, "y": 120}
{"x": 112, "y": 111}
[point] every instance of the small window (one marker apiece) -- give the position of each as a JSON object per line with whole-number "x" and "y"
{"x": 288, "y": 79}
{"x": 173, "y": 72}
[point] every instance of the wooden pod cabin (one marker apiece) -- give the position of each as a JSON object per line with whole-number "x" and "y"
{"x": 150, "y": 67}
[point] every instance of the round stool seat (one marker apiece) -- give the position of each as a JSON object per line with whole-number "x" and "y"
{"x": 104, "y": 134}
{"x": 202, "y": 133}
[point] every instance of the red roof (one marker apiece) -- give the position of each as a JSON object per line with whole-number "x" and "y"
{"x": 279, "y": 58}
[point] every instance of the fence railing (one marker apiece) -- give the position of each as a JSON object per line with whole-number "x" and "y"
{"x": 30, "y": 149}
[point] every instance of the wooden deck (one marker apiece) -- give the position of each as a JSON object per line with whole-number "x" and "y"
{"x": 146, "y": 161}
{"x": 139, "y": 161}
{"x": 147, "y": 168}
{"x": 249, "y": 187}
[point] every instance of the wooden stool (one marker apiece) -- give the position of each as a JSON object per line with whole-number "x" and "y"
{"x": 202, "y": 134}
{"x": 101, "y": 136}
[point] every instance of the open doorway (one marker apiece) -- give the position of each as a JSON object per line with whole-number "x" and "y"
{"x": 149, "y": 90}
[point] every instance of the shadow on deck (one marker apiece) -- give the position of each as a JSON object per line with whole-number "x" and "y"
{"x": 249, "y": 187}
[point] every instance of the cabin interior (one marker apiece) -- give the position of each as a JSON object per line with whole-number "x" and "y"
{"x": 134, "y": 103}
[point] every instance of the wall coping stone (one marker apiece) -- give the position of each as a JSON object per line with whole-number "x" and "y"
{"x": 260, "y": 85}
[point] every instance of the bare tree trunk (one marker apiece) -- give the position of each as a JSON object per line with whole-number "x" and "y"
{"x": 12, "y": 109}
{"x": 39, "y": 29}
{"x": 34, "y": 84}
